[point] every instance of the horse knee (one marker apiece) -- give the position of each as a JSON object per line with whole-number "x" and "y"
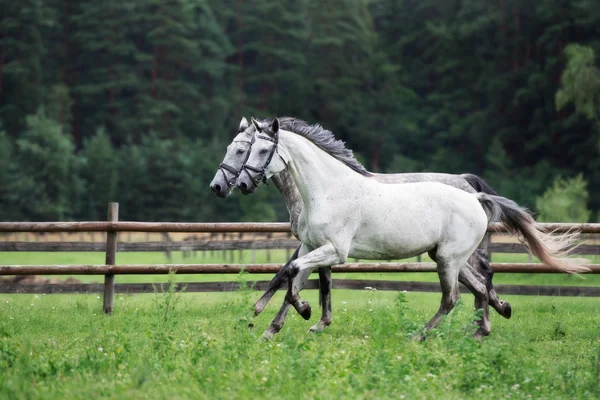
{"x": 449, "y": 301}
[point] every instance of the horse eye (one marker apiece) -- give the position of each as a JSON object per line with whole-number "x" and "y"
{"x": 263, "y": 151}
{"x": 240, "y": 151}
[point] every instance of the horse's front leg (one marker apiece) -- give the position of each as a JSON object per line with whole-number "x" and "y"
{"x": 324, "y": 256}
{"x": 278, "y": 281}
{"x": 324, "y": 299}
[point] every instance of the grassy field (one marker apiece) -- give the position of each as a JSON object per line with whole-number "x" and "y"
{"x": 170, "y": 346}
{"x": 184, "y": 345}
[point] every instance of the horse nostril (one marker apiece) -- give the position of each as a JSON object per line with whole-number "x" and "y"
{"x": 243, "y": 186}
{"x": 216, "y": 188}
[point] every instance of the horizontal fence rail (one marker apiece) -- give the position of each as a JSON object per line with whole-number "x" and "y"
{"x": 209, "y": 245}
{"x": 128, "y": 226}
{"x": 111, "y": 246}
{"x": 158, "y": 269}
{"x": 349, "y": 284}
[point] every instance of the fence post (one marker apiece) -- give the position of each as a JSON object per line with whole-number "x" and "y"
{"x": 111, "y": 255}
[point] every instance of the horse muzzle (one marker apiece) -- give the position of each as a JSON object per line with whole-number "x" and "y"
{"x": 219, "y": 187}
{"x": 246, "y": 185}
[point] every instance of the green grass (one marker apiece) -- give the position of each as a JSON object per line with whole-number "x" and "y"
{"x": 170, "y": 346}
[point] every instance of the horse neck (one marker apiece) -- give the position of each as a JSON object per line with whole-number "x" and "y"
{"x": 312, "y": 169}
{"x": 291, "y": 196}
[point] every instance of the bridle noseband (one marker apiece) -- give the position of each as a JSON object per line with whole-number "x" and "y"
{"x": 236, "y": 173}
{"x": 261, "y": 172}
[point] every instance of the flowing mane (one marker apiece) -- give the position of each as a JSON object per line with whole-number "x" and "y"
{"x": 324, "y": 139}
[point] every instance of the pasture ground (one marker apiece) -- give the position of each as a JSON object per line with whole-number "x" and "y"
{"x": 185, "y": 345}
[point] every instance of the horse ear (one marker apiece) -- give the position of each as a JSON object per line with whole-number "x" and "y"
{"x": 243, "y": 124}
{"x": 256, "y": 125}
{"x": 275, "y": 126}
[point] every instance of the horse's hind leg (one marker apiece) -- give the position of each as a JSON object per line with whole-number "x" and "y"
{"x": 479, "y": 290}
{"x": 324, "y": 299}
{"x": 448, "y": 274}
{"x": 480, "y": 263}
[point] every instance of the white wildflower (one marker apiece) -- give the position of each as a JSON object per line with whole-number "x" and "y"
{"x": 516, "y": 386}
{"x": 100, "y": 349}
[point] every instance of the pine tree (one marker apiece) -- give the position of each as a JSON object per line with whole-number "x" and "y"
{"x": 100, "y": 173}
{"x": 183, "y": 68}
{"x": 46, "y": 157}
{"x": 21, "y": 53}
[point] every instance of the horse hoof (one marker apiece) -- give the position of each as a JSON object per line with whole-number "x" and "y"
{"x": 268, "y": 335}
{"x": 507, "y": 311}
{"x": 306, "y": 311}
{"x": 258, "y": 308}
{"x": 418, "y": 338}
{"x": 317, "y": 328}
{"x": 480, "y": 333}
{"x": 250, "y": 326}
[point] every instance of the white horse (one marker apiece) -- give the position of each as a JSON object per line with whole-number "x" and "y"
{"x": 477, "y": 277}
{"x": 346, "y": 214}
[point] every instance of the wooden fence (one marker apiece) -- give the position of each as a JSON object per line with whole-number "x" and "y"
{"x": 111, "y": 246}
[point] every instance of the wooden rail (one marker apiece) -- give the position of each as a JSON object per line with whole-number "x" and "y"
{"x": 110, "y": 269}
{"x": 128, "y": 226}
{"x": 350, "y": 284}
{"x": 208, "y": 245}
{"x": 158, "y": 269}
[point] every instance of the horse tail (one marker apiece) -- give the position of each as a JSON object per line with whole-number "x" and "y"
{"x": 479, "y": 184}
{"x": 549, "y": 247}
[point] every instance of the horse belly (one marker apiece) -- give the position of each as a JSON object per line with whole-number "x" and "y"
{"x": 394, "y": 237}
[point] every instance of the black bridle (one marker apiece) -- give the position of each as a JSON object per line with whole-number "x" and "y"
{"x": 261, "y": 171}
{"x": 236, "y": 173}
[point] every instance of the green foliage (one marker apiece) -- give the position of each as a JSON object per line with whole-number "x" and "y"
{"x": 580, "y": 82}
{"x": 51, "y": 169}
{"x": 470, "y": 86}
{"x": 565, "y": 201}
{"x": 100, "y": 173}
{"x": 10, "y": 181}
{"x": 21, "y": 54}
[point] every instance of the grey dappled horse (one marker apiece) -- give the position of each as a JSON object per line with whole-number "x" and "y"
{"x": 349, "y": 213}
{"x": 224, "y": 181}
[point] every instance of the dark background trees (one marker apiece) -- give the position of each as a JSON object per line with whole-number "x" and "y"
{"x": 135, "y": 101}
